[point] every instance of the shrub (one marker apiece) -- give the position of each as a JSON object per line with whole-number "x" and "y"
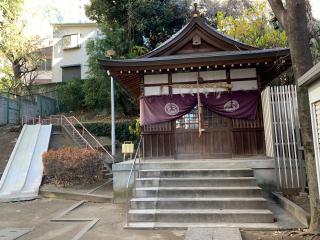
{"x": 70, "y": 166}
{"x": 125, "y": 131}
{"x": 71, "y": 95}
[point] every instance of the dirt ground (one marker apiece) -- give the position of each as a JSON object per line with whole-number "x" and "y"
{"x": 104, "y": 188}
{"x": 278, "y": 235}
{"x": 8, "y": 137}
{"x": 37, "y": 214}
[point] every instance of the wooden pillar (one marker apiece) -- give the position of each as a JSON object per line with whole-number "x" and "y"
{"x": 228, "y": 76}
{"x": 173, "y": 123}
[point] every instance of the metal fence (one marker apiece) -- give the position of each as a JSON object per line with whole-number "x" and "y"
{"x": 13, "y": 107}
{"x": 283, "y": 141}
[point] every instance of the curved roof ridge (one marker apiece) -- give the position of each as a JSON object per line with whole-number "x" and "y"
{"x": 235, "y": 54}
{"x": 168, "y": 40}
{"x": 202, "y": 23}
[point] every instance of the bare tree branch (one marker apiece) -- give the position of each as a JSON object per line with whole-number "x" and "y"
{"x": 24, "y": 72}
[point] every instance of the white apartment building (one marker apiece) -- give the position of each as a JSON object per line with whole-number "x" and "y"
{"x": 69, "y": 58}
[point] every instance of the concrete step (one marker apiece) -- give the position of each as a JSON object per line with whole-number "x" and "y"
{"x": 199, "y": 203}
{"x": 209, "y": 163}
{"x": 201, "y": 215}
{"x": 107, "y": 175}
{"x": 198, "y": 192}
{"x": 186, "y": 225}
{"x": 197, "y": 182}
{"x": 235, "y": 172}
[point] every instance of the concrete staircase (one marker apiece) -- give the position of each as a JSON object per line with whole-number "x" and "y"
{"x": 185, "y": 197}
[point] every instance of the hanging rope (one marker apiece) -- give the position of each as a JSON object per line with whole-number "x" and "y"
{"x": 200, "y": 106}
{"x": 218, "y": 87}
{"x": 225, "y": 86}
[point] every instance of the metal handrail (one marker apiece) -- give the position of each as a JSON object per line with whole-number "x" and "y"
{"x": 131, "y": 172}
{"x": 74, "y": 129}
{"x": 25, "y": 119}
{"x": 84, "y": 129}
{"x": 60, "y": 119}
{"x": 134, "y": 162}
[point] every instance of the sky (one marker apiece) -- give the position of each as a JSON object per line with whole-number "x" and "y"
{"x": 40, "y": 13}
{"x": 315, "y": 8}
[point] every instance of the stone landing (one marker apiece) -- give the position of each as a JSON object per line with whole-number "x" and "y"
{"x": 213, "y": 234}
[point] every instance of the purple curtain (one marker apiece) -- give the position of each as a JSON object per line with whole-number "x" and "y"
{"x": 157, "y": 109}
{"x": 236, "y": 104}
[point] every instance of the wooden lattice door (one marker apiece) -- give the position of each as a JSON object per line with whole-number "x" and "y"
{"x": 214, "y": 142}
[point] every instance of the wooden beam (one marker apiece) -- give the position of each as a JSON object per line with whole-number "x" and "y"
{"x": 170, "y": 82}
{"x": 206, "y": 81}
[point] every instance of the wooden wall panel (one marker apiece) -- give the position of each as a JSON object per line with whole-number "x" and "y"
{"x": 217, "y": 143}
{"x": 188, "y": 143}
{"x": 248, "y": 142}
{"x": 158, "y": 145}
{"x": 248, "y": 136}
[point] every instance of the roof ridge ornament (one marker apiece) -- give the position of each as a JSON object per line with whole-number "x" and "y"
{"x": 195, "y": 12}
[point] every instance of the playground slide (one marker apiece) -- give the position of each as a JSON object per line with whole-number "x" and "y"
{"x": 23, "y": 174}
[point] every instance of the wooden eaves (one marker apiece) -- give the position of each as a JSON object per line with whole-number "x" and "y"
{"x": 270, "y": 62}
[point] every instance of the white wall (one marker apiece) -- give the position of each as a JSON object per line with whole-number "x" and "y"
{"x": 77, "y": 56}
{"x": 314, "y": 97}
{"x": 206, "y": 75}
{"x": 267, "y": 121}
{"x": 314, "y": 92}
{"x": 156, "y": 79}
{"x": 192, "y": 76}
{"x": 44, "y": 77}
{"x": 243, "y": 73}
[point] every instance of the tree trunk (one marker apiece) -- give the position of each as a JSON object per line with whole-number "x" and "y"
{"x": 298, "y": 38}
{"x": 294, "y": 20}
{"x": 16, "y": 77}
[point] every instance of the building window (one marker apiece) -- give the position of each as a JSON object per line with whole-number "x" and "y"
{"x": 70, "y": 41}
{"x": 71, "y": 72}
{"x": 189, "y": 121}
{"x": 45, "y": 65}
{"x": 316, "y": 112}
{"x": 213, "y": 120}
{"x": 209, "y": 120}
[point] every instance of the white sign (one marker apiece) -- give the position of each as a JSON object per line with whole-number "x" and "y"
{"x": 171, "y": 109}
{"x": 231, "y": 106}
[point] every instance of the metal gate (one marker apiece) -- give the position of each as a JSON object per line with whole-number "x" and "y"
{"x": 283, "y": 140}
